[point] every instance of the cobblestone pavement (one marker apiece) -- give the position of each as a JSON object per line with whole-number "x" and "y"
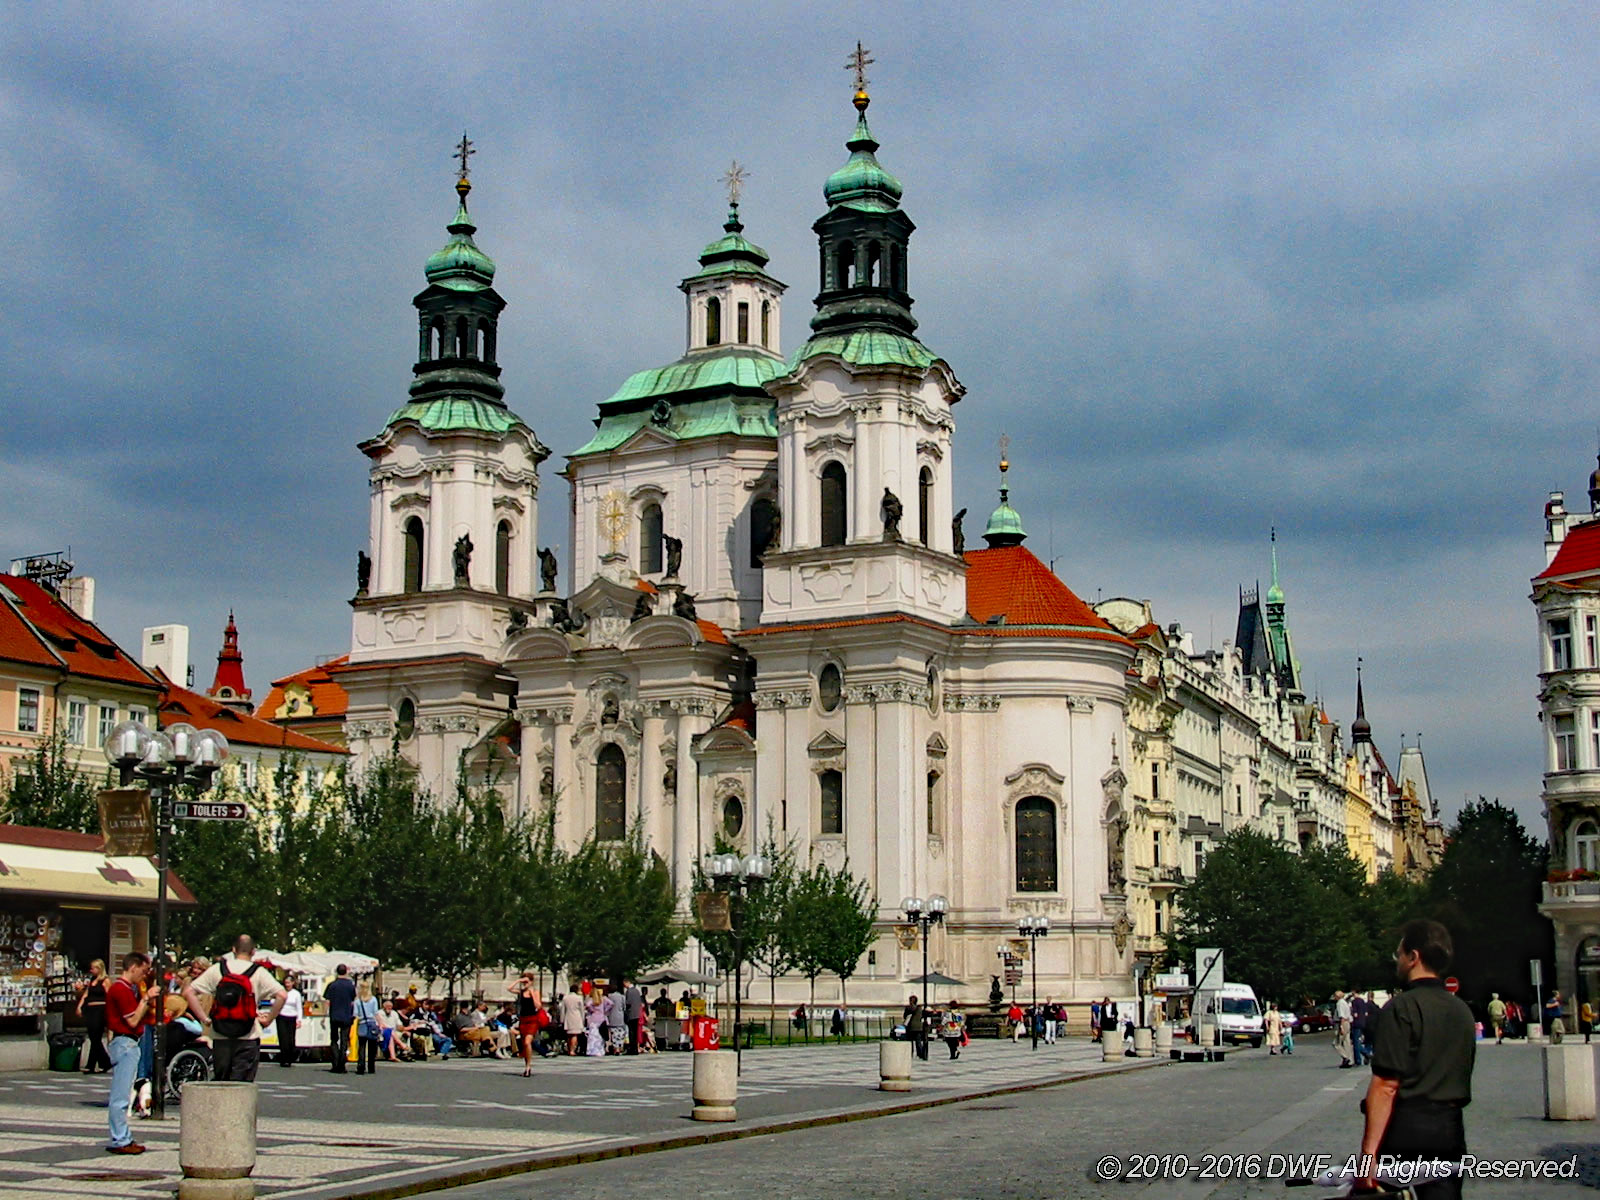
{"x": 1046, "y": 1143}
{"x": 330, "y": 1135}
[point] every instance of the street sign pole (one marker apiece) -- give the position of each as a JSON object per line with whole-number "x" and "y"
{"x": 1536, "y": 970}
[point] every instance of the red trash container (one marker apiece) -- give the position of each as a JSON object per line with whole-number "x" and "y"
{"x": 703, "y": 1034}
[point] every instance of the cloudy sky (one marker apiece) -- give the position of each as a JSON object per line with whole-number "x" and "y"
{"x": 1328, "y": 267}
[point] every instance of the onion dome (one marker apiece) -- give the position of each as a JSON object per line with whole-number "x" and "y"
{"x": 1005, "y": 523}
{"x": 459, "y": 264}
{"x": 862, "y": 182}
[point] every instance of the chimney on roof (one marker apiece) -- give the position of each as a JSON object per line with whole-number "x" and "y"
{"x": 1555, "y": 525}
{"x": 77, "y": 593}
{"x": 165, "y": 648}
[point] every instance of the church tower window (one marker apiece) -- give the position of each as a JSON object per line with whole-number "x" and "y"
{"x": 1036, "y": 845}
{"x": 763, "y": 515}
{"x": 502, "y": 558}
{"x": 413, "y": 552}
{"x": 830, "y": 785}
{"x": 834, "y": 498}
{"x": 766, "y": 324}
{"x": 610, "y": 794}
{"x": 650, "y": 538}
{"x": 713, "y": 322}
{"x": 924, "y": 503}
{"x": 744, "y": 321}
{"x": 830, "y": 686}
{"x": 844, "y": 269}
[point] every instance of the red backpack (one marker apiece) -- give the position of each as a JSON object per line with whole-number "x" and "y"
{"x": 233, "y": 1009}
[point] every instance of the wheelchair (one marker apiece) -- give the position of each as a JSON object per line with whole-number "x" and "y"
{"x": 188, "y": 1061}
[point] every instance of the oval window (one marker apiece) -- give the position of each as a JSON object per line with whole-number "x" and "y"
{"x": 405, "y": 720}
{"x": 933, "y": 689}
{"x": 830, "y": 687}
{"x": 732, "y": 817}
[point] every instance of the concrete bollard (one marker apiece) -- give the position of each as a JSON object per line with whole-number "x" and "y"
{"x": 1569, "y": 1083}
{"x": 894, "y": 1066}
{"x": 217, "y": 1141}
{"x": 1111, "y": 1047}
{"x": 1143, "y": 1043}
{"x": 1163, "y": 1039}
{"x": 716, "y": 1085}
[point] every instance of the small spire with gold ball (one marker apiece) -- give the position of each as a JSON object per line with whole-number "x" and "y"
{"x": 464, "y": 150}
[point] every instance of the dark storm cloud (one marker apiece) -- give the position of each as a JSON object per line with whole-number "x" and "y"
{"x": 1329, "y": 267}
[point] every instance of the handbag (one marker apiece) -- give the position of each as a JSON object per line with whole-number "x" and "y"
{"x": 368, "y": 1025}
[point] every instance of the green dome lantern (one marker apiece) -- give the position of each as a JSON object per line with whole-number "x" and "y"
{"x": 1005, "y": 523}
{"x": 863, "y": 182}
{"x": 459, "y": 265}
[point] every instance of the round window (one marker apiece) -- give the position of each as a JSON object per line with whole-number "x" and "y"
{"x": 732, "y": 816}
{"x": 405, "y": 720}
{"x": 933, "y": 689}
{"x": 830, "y": 686}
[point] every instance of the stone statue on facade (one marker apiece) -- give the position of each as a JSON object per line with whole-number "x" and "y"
{"x": 958, "y": 535}
{"x": 1116, "y": 839}
{"x": 363, "y": 572}
{"x": 644, "y": 606}
{"x": 517, "y": 623}
{"x": 674, "y": 554}
{"x": 891, "y": 510}
{"x": 461, "y": 559}
{"x": 683, "y": 606}
{"x": 564, "y": 619}
{"x": 996, "y": 996}
{"x": 775, "y": 536}
{"x": 547, "y": 569}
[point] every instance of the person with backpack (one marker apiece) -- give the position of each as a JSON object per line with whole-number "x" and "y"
{"x": 232, "y": 990}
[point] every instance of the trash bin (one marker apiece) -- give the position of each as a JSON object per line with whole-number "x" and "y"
{"x": 65, "y": 1051}
{"x": 703, "y": 1033}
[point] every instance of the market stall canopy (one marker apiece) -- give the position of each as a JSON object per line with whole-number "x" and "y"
{"x": 71, "y": 866}
{"x": 318, "y": 962}
{"x": 680, "y": 975}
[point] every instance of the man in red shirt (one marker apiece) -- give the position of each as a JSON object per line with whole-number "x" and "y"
{"x": 129, "y": 1003}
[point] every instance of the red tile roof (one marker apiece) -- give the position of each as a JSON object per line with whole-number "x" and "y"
{"x": 1009, "y": 581}
{"x": 18, "y": 642}
{"x": 241, "y": 729}
{"x": 712, "y": 632}
{"x": 80, "y": 645}
{"x": 49, "y": 839}
{"x": 1579, "y": 553}
{"x": 328, "y": 699}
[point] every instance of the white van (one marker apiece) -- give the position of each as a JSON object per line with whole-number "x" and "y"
{"x": 1238, "y": 1014}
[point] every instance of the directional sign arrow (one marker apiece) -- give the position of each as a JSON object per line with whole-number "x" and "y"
{"x": 200, "y": 810}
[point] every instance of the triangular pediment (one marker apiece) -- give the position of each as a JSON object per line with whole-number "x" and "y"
{"x": 606, "y": 597}
{"x": 825, "y": 743}
{"x": 647, "y": 437}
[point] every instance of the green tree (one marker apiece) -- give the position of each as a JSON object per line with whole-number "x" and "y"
{"x": 1341, "y": 882}
{"x": 1486, "y": 889}
{"x": 45, "y": 789}
{"x": 828, "y": 923}
{"x": 624, "y": 916}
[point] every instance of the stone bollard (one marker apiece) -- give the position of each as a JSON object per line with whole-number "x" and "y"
{"x": 716, "y": 1085}
{"x": 1143, "y": 1043}
{"x": 1111, "y": 1047}
{"x": 1163, "y": 1039}
{"x": 894, "y": 1066}
{"x": 1569, "y": 1083}
{"x": 217, "y": 1141}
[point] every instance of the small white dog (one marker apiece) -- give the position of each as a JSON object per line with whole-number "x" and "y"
{"x": 139, "y": 1105}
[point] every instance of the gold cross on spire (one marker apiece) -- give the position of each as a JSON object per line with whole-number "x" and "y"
{"x": 734, "y": 178}
{"x": 859, "y": 62}
{"x": 464, "y": 151}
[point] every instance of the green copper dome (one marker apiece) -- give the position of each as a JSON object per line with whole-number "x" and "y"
{"x": 862, "y": 182}
{"x": 1005, "y": 523}
{"x": 459, "y": 264}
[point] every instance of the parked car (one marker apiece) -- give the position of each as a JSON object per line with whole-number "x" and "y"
{"x": 1316, "y": 1019}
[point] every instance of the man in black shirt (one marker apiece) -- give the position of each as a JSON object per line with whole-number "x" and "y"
{"x": 341, "y": 997}
{"x": 1423, "y": 1045}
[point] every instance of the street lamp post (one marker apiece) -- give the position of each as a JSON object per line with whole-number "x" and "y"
{"x": 165, "y": 759}
{"x": 1034, "y": 928}
{"x": 925, "y": 914}
{"x": 739, "y": 878}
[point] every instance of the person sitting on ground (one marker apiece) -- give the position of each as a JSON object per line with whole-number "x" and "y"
{"x": 428, "y": 1014}
{"x": 389, "y": 1023}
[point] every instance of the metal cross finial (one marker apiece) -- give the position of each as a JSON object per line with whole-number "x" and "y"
{"x": 464, "y": 151}
{"x": 734, "y": 178}
{"x": 859, "y": 62}
{"x": 1005, "y": 444}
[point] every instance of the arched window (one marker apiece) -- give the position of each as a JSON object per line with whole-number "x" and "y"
{"x": 405, "y": 719}
{"x": 830, "y": 794}
{"x": 424, "y": 348}
{"x": 1036, "y": 845}
{"x": 834, "y": 498}
{"x": 1586, "y": 846}
{"x": 763, "y": 513}
{"x": 874, "y": 262}
{"x": 610, "y": 794}
{"x": 845, "y": 265}
{"x": 413, "y": 553}
{"x": 439, "y": 347}
{"x": 463, "y": 346}
{"x": 766, "y": 324}
{"x": 897, "y": 268}
{"x": 488, "y": 342}
{"x": 650, "y": 539}
{"x": 744, "y": 322}
{"x": 502, "y": 558}
{"x": 924, "y": 503}
{"x": 713, "y": 321}
{"x": 935, "y": 826}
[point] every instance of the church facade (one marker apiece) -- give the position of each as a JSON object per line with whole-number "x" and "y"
{"x": 770, "y": 620}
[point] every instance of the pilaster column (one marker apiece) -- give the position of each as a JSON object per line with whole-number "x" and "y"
{"x": 693, "y": 718}
{"x": 658, "y": 825}
{"x": 572, "y": 824}
{"x": 528, "y": 769}
{"x": 1086, "y": 863}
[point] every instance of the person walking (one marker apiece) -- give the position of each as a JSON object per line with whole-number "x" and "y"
{"x": 341, "y": 997}
{"x": 129, "y": 1004}
{"x": 1554, "y": 1021}
{"x": 915, "y": 1016}
{"x": 531, "y": 1017}
{"x": 616, "y": 1010}
{"x": 1497, "y": 1017}
{"x": 1341, "y": 1039}
{"x": 1424, "y": 1045}
{"x": 1094, "y": 1020}
{"x": 232, "y": 992}
{"x": 951, "y": 1028}
{"x": 1272, "y": 1023}
{"x": 289, "y": 1022}
{"x": 1586, "y": 1020}
{"x": 594, "y": 1019}
{"x": 836, "y": 1023}
{"x": 572, "y": 1019}
{"x": 1014, "y": 1020}
{"x": 1361, "y": 1011}
{"x": 633, "y": 1013}
{"x": 369, "y": 1033}
{"x": 92, "y": 1008}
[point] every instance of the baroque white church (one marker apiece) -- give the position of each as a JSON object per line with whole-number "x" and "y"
{"x": 769, "y": 618}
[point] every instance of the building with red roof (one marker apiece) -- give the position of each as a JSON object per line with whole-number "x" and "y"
{"x": 310, "y": 701}
{"x": 257, "y": 748}
{"x": 227, "y": 685}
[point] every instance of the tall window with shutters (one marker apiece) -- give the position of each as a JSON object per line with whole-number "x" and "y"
{"x": 610, "y": 794}
{"x": 1036, "y": 844}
